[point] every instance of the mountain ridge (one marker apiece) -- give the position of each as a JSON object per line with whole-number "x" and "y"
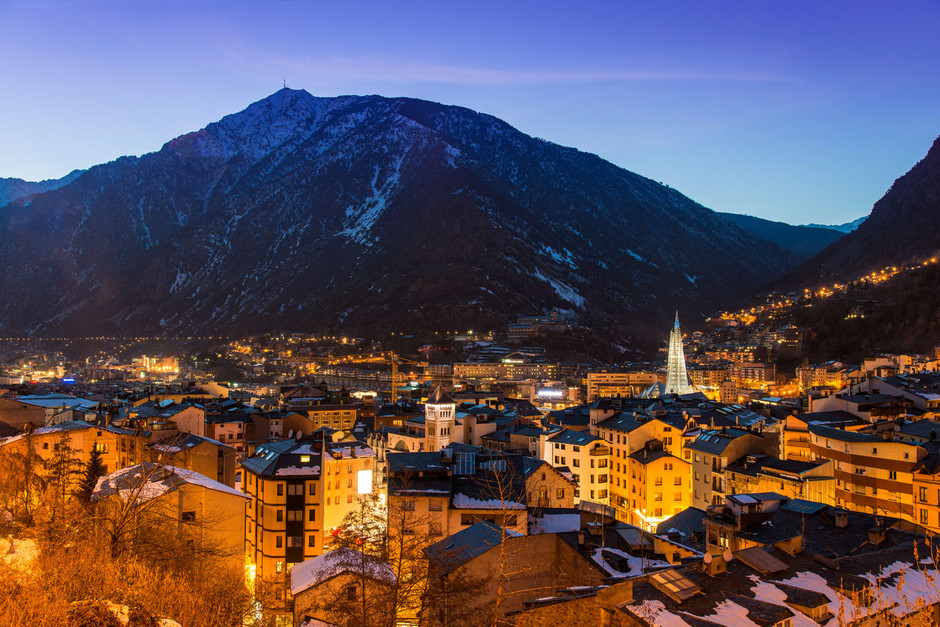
{"x": 368, "y": 213}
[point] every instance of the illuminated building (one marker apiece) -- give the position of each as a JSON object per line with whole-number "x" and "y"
{"x": 439, "y": 411}
{"x": 299, "y": 490}
{"x": 610, "y": 384}
{"x": 677, "y": 380}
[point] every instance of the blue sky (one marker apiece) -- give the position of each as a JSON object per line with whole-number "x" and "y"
{"x": 797, "y": 111}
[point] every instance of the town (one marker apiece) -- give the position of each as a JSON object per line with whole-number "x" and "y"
{"x": 485, "y": 478}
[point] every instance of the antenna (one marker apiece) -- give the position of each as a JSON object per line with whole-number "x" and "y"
{"x": 285, "y": 83}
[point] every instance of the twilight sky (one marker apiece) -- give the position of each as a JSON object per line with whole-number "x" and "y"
{"x": 792, "y": 111}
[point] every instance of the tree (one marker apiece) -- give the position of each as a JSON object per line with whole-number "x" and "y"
{"x": 62, "y": 470}
{"x": 94, "y": 469}
{"x": 22, "y": 481}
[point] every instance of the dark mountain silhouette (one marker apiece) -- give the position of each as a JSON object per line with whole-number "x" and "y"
{"x": 364, "y": 213}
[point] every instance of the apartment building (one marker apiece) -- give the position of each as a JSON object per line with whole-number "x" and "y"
{"x": 298, "y": 491}
{"x": 118, "y": 447}
{"x": 873, "y": 475}
{"x": 586, "y": 456}
{"x": 613, "y": 384}
{"x": 712, "y": 451}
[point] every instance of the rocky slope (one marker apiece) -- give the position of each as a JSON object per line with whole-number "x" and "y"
{"x": 367, "y": 213}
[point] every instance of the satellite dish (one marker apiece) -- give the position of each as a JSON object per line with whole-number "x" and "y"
{"x": 727, "y": 555}
{"x": 708, "y": 558}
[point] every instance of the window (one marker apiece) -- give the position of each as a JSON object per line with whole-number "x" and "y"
{"x": 351, "y": 593}
{"x": 698, "y": 458}
{"x": 893, "y": 475}
{"x": 295, "y": 515}
{"x": 923, "y": 516}
{"x": 658, "y": 496}
{"x": 408, "y": 506}
{"x": 559, "y": 493}
{"x": 279, "y": 542}
{"x": 191, "y": 516}
{"x": 874, "y": 451}
{"x": 311, "y": 541}
{"x": 923, "y": 496}
{"x": 294, "y": 542}
{"x": 311, "y": 515}
{"x": 434, "y": 505}
{"x": 280, "y": 515}
{"x": 677, "y": 496}
{"x": 295, "y": 489}
{"x": 576, "y": 462}
{"x": 677, "y": 481}
{"x": 280, "y": 489}
{"x": 279, "y": 566}
{"x": 312, "y": 488}
{"x": 658, "y": 481}
{"x": 45, "y": 445}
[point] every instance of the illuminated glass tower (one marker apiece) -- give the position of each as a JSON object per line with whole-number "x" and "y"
{"x": 677, "y": 379}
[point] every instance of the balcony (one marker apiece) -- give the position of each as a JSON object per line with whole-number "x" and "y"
{"x": 599, "y": 451}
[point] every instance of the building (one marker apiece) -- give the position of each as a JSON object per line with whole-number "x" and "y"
{"x": 873, "y": 475}
{"x": 677, "y": 380}
{"x": 208, "y": 515}
{"x": 439, "y": 415}
{"x": 712, "y": 451}
{"x": 118, "y": 447}
{"x": 462, "y": 567}
{"x": 586, "y": 456}
{"x": 794, "y": 479}
{"x": 208, "y": 457}
{"x": 299, "y": 490}
{"x": 342, "y": 585}
{"x": 439, "y": 493}
{"x": 612, "y": 384}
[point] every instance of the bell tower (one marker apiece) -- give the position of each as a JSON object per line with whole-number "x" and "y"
{"x": 439, "y": 413}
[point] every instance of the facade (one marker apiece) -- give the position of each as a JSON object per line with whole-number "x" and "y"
{"x": 659, "y": 485}
{"x": 119, "y": 448}
{"x": 207, "y": 513}
{"x": 298, "y": 492}
{"x": 713, "y": 451}
{"x": 192, "y": 452}
{"x": 873, "y": 475}
{"x": 610, "y": 384}
{"x": 439, "y": 493}
{"x": 677, "y": 380}
{"x": 439, "y": 414}
{"x": 587, "y": 457}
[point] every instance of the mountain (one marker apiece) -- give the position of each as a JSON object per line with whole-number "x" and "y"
{"x": 904, "y": 226}
{"x": 367, "y": 214}
{"x": 801, "y": 241}
{"x": 14, "y": 189}
{"x": 848, "y": 227}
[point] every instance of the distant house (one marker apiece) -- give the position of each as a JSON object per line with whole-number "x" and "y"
{"x": 341, "y": 587}
{"x": 199, "y": 509}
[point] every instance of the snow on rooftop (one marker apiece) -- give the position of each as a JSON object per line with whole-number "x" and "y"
{"x": 318, "y": 569}
{"x": 462, "y": 501}
{"x": 297, "y": 470}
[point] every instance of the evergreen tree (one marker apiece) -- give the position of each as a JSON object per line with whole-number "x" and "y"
{"x": 93, "y": 470}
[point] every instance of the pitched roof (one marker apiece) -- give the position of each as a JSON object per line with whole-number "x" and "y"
{"x": 440, "y": 397}
{"x": 318, "y": 569}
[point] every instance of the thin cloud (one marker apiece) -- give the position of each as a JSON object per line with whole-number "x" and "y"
{"x": 343, "y": 69}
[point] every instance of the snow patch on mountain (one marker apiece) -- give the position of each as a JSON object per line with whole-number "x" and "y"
{"x": 564, "y": 291}
{"x": 359, "y": 220}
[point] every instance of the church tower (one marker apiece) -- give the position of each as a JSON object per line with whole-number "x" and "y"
{"x": 677, "y": 379}
{"x": 439, "y": 413}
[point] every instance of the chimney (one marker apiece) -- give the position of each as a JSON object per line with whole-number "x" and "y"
{"x": 876, "y": 535}
{"x": 842, "y": 519}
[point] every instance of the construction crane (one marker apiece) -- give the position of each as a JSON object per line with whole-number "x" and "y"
{"x": 387, "y": 357}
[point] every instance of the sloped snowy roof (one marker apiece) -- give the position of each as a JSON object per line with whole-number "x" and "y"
{"x": 318, "y": 569}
